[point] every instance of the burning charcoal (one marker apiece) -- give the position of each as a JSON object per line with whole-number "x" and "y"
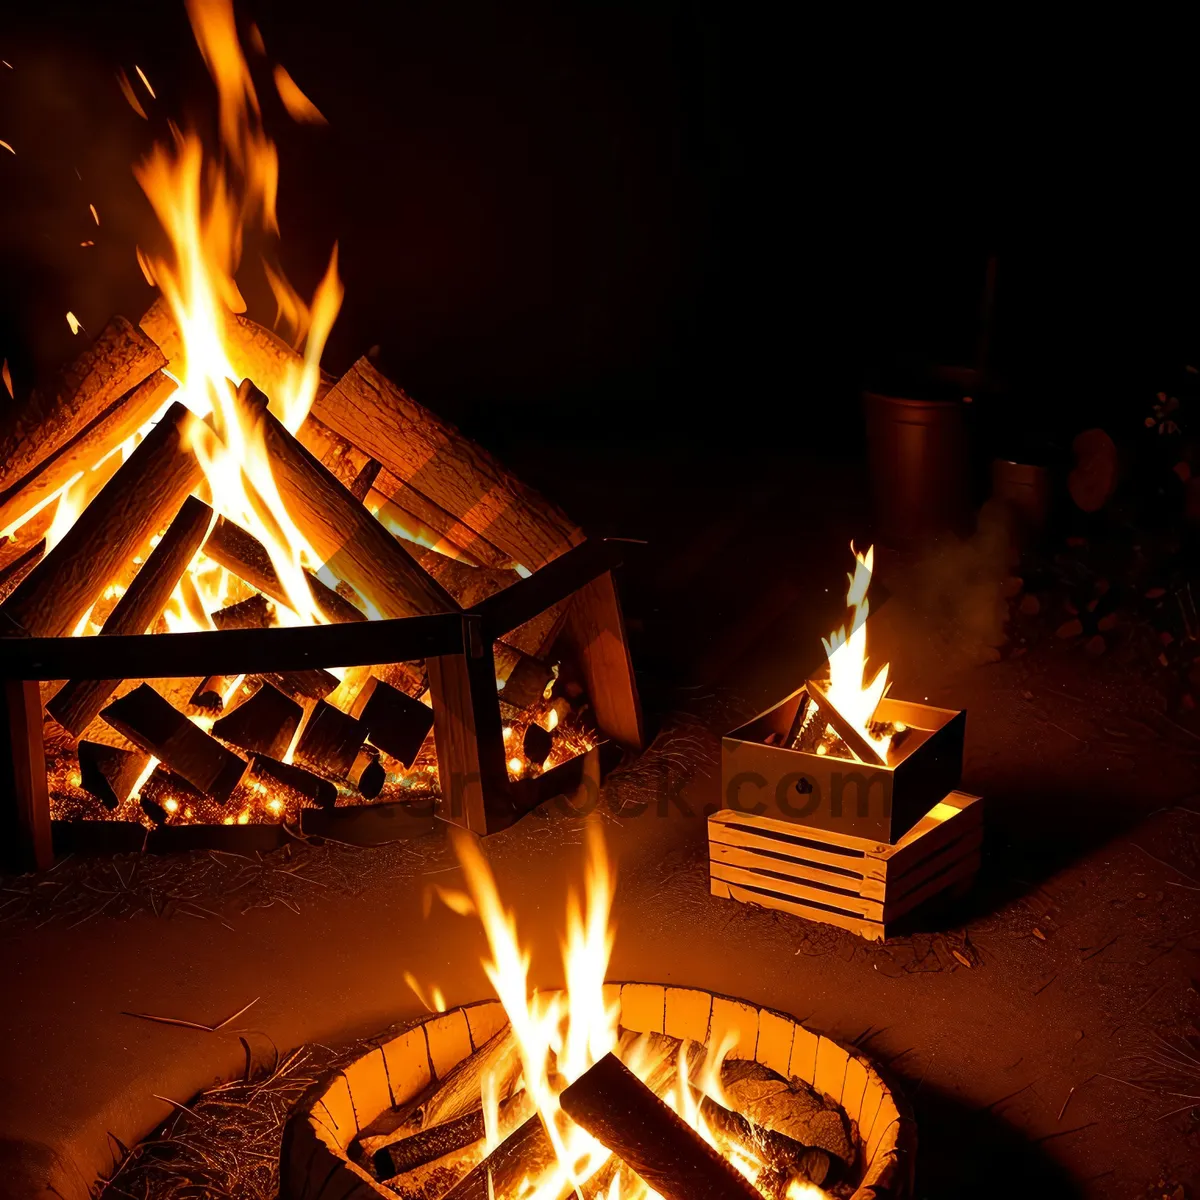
{"x": 620, "y": 1112}
{"x": 270, "y": 773}
{"x": 537, "y": 744}
{"x": 367, "y": 773}
{"x": 396, "y": 723}
{"x": 330, "y": 740}
{"x": 264, "y": 724}
{"x": 109, "y": 772}
{"x": 255, "y": 613}
{"x": 148, "y": 721}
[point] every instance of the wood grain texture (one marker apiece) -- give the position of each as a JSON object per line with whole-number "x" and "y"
{"x": 23, "y": 791}
{"x": 431, "y": 456}
{"x": 78, "y": 702}
{"x": 120, "y": 421}
{"x": 119, "y": 359}
{"x": 136, "y": 503}
{"x": 595, "y": 630}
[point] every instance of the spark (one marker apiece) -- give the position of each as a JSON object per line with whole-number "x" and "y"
{"x": 95, "y": 214}
{"x": 128, "y": 92}
{"x": 6, "y": 375}
{"x": 142, "y": 77}
{"x": 7, "y": 146}
{"x": 299, "y": 106}
{"x": 74, "y": 322}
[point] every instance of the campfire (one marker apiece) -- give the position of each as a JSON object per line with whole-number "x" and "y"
{"x": 384, "y": 614}
{"x": 605, "y": 1091}
{"x": 840, "y": 804}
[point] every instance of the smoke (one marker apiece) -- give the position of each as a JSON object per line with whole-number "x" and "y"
{"x": 958, "y": 585}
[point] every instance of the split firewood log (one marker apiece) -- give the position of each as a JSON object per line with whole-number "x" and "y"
{"x": 149, "y": 721}
{"x": 120, "y": 421}
{"x": 19, "y": 566}
{"x": 524, "y": 1153}
{"x": 792, "y": 1110}
{"x": 137, "y": 502}
{"x": 432, "y": 456}
{"x": 521, "y": 678}
{"x": 395, "y": 722}
{"x": 109, "y": 773}
{"x": 330, "y": 740}
{"x": 1094, "y": 477}
{"x": 304, "y": 786}
{"x": 499, "y": 1057}
{"x": 118, "y": 360}
{"x": 625, "y": 1116}
{"x": 263, "y": 724}
{"x": 78, "y": 702}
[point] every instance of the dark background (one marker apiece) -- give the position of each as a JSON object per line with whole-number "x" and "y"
{"x": 651, "y": 221}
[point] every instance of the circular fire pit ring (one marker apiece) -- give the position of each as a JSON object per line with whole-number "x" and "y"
{"x": 314, "y": 1164}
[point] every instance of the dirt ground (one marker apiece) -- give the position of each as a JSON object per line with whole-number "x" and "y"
{"x": 1065, "y": 1059}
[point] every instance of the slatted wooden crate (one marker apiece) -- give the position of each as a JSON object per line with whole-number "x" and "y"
{"x": 860, "y": 885}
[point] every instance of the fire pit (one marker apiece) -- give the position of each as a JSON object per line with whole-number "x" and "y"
{"x": 602, "y": 1089}
{"x": 313, "y": 596}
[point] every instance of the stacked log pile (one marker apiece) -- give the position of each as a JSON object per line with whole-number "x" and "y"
{"x": 409, "y": 517}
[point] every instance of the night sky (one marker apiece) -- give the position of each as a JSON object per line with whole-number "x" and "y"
{"x": 678, "y": 221}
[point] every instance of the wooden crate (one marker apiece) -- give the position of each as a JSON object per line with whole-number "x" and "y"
{"x": 857, "y": 884}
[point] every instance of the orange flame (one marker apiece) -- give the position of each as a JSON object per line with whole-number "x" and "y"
{"x": 849, "y": 692}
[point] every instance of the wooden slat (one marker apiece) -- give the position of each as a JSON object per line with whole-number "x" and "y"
{"x": 943, "y": 823}
{"x": 854, "y": 1086}
{"x": 751, "y": 860}
{"x": 856, "y": 845}
{"x": 873, "y": 1094}
{"x": 964, "y": 870}
{"x": 729, "y": 833}
{"x": 969, "y": 843}
{"x": 339, "y": 1110}
{"x": 368, "y": 1082}
{"x": 449, "y": 1041}
{"x": 870, "y": 909}
{"x": 871, "y": 930}
{"x": 484, "y": 1020}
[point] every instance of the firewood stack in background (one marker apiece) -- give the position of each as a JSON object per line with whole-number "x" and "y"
{"x": 108, "y": 533}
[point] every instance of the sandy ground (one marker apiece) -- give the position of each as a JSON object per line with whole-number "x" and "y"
{"x": 1028, "y": 1069}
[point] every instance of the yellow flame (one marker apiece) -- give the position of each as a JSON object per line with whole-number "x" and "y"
{"x": 848, "y": 691}
{"x": 6, "y": 146}
{"x": 205, "y": 211}
{"x": 145, "y": 81}
{"x": 74, "y": 322}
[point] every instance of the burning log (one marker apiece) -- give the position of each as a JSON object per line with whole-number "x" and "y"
{"x": 313, "y": 684}
{"x": 522, "y": 679}
{"x": 246, "y": 557}
{"x": 342, "y": 460}
{"x": 304, "y": 785}
{"x": 620, "y": 1112}
{"x": 105, "y": 434}
{"x": 330, "y": 740}
{"x": 406, "y": 512}
{"x": 344, "y": 533}
{"x": 362, "y": 482}
{"x": 465, "y": 1132}
{"x": 367, "y": 773}
{"x": 468, "y": 585}
{"x": 19, "y": 567}
{"x": 150, "y": 722}
{"x": 255, "y": 613}
{"x": 433, "y": 457}
{"x": 263, "y": 724}
{"x": 789, "y": 1158}
{"x": 109, "y": 773}
{"x": 133, "y": 506}
{"x": 77, "y": 703}
{"x": 119, "y": 359}
{"x": 525, "y": 1153}
{"x": 859, "y": 745}
{"x": 459, "y": 1092}
{"x": 210, "y": 692}
{"x": 396, "y": 723}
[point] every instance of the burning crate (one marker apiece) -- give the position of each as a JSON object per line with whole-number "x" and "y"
{"x": 840, "y": 803}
